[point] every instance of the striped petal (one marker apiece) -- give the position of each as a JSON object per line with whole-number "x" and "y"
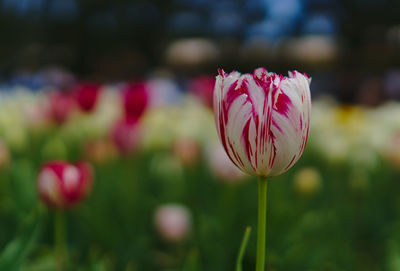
{"x": 262, "y": 119}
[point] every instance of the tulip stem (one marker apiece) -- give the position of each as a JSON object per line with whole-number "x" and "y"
{"x": 262, "y": 222}
{"x": 59, "y": 240}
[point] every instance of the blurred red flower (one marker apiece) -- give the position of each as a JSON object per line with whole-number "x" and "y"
{"x": 86, "y": 94}
{"x": 203, "y": 88}
{"x": 135, "y": 100}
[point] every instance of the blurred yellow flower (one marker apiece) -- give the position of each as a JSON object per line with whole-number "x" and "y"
{"x": 307, "y": 181}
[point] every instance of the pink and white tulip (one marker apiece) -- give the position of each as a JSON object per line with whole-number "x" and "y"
{"x": 263, "y": 119}
{"x": 63, "y": 185}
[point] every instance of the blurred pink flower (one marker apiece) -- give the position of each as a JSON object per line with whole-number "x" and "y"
{"x": 61, "y": 106}
{"x": 63, "y": 185}
{"x": 263, "y": 119}
{"x": 203, "y": 88}
{"x": 37, "y": 114}
{"x": 125, "y": 135}
{"x": 173, "y": 222}
{"x": 86, "y": 94}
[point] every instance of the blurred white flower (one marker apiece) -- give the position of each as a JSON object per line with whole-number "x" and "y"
{"x": 173, "y": 222}
{"x": 191, "y": 52}
{"x": 222, "y": 167}
{"x": 190, "y": 119}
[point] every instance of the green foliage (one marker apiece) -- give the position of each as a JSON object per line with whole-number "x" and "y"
{"x": 14, "y": 254}
{"x": 347, "y": 224}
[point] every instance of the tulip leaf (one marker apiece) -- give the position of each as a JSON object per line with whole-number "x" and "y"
{"x": 242, "y": 249}
{"x": 23, "y": 187}
{"x": 15, "y": 252}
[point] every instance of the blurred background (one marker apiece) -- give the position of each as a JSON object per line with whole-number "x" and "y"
{"x": 127, "y": 86}
{"x": 350, "y": 47}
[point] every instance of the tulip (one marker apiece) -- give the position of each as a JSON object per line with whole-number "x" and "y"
{"x": 135, "y": 100}
{"x": 203, "y": 88}
{"x": 173, "y": 222}
{"x": 263, "y": 121}
{"x": 61, "y": 106}
{"x": 63, "y": 185}
{"x": 86, "y": 95}
{"x": 125, "y": 135}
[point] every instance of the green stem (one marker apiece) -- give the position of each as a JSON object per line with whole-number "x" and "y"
{"x": 59, "y": 240}
{"x": 243, "y": 249}
{"x": 262, "y": 222}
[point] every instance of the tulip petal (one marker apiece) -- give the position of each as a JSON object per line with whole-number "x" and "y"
{"x": 262, "y": 119}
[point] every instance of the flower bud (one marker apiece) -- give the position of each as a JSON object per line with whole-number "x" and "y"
{"x": 263, "y": 119}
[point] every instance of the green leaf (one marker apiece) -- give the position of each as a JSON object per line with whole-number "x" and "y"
{"x": 23, "y": 183}
{"x": 16, "y": 251}
{"x": 243, "y": 249}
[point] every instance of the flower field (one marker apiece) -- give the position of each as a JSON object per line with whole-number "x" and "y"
{"x": 165, "y": 196}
